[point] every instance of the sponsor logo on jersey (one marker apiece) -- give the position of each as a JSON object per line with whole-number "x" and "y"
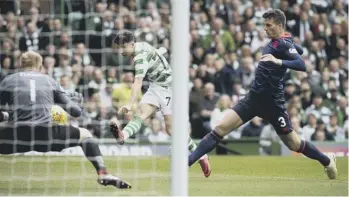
{"x": 292, "y": 50}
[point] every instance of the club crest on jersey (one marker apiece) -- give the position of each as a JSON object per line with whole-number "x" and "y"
{"x": 292, "y": 50}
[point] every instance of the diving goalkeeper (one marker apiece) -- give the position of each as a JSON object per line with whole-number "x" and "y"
{"x": 29, "y": 96}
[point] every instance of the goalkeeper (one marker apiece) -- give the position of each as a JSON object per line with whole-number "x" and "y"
{"x": 29, "y": 96}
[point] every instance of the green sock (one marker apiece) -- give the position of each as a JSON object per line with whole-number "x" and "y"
{"x": 191, "y": 145}
{"x": 132, "y": 127}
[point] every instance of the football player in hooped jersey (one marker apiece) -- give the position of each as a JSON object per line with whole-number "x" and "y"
{"x": 266, "y": 97}
{"x": 150, "y": 62}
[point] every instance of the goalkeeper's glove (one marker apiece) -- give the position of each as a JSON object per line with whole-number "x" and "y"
{"x": 4, "y": 116}
{"x": 77, "y": 98}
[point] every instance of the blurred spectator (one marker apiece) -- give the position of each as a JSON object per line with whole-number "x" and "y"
{"x": 218, "y": 30}
{"x": 81, "y": 55}
{"x": 342, "y": 110}
{"x": 253, "y": 128}
{"x": 98, "y": 82}
{"x": 306, "y": 94}
{"x": 248, "y": 71}
{"x": 158, "y": 133}
{"x": 307, "y": 131}
{"x": 195, "y": 96}
{"x": 207, "y": 105}
{"x": 321, "y": 134}
{"x": 222, "y": 106}
{"x": 290, "y": 90}
{"x": 267, "y": 137}
{"x": 319, "y": 109}
{"x": 67, "y": 84}
{"x": 223, "y": 78}
{"x": 31, "y": 40}
{"x": 332, "y": 96}
{"x": 259, "y": 42}
{"x": 122, "y": 93}
{"x": 334, "y": 130}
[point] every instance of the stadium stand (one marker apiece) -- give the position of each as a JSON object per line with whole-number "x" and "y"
{"x": 226, "y": 38}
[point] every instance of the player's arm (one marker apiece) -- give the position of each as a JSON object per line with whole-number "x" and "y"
{"x": 135, "y": 89}
{"x": 296, "y": 64}
{"x": 294, "y": 61}
{"x": 141, "y": 67}
{"x": 298, "y": 48}
{"x": 61, "y": 98}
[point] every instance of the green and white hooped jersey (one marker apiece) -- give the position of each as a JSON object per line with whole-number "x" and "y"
{"x": 150, "y": 62}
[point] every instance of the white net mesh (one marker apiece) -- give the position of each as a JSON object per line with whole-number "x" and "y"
{"x": 74, "y": 38}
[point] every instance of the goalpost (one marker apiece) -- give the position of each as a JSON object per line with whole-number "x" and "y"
{"x": 180, "y": 65}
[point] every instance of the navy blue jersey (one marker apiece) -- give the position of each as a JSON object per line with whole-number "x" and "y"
{"x": 269, "y": 76}
{"x": 30, "y": 95}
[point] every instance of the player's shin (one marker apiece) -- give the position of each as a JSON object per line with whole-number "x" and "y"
{"x": 93, "y": 154}
{"x": 132, "y": 127}
{"x": 309, "y": 150}
{"x": 207, "y": 144}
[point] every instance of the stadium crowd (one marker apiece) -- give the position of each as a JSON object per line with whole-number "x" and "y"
{"x": 226, "y": 42}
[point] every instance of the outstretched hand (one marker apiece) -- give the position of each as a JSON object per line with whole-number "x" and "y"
{"x": 76, "y": 97}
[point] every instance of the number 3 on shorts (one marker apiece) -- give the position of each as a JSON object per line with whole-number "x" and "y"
{"x": 168, "y": 100}
{"x": 282, "y": 121}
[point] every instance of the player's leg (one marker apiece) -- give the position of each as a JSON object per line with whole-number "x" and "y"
{"x": 143, "y": 112}
{"x": 291, "y": 139}
{"x": 204, "y": 162}
{"x": 241, "y": 113}
{"x": 148, "y": 105}
{"x": 165, "y": 101}
{"x": 168, "y": 124}
{"x": 92, "y": 152}
{"x": 70, "y": 136}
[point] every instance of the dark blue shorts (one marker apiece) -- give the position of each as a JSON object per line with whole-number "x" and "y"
{"x": 265, "y": 107}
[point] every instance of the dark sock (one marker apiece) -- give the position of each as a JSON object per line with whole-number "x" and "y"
{"x": 93, "y": 154}
{"x": 207, "y": 144}
{"x": 309, "y": 150}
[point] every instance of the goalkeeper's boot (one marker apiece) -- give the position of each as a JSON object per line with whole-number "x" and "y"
{"x": 108, "y": 179}
{"x": 331, "y": 169}
{"x": 205, "y": 165}
{"x": 117, "y": 133}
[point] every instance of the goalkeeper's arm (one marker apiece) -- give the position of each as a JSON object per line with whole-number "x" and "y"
{"x": 61, "y": 98}
{"x": 73, "y": 108}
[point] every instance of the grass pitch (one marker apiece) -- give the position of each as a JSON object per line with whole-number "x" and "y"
{"x": 231, "y": 176}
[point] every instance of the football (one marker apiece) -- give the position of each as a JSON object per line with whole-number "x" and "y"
{"x": 58, "y": 115}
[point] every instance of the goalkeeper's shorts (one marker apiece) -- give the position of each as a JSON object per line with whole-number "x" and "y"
{"x": 40, "y": 138}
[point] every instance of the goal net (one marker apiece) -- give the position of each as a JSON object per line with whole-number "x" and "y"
{"x": 75, "y": 39}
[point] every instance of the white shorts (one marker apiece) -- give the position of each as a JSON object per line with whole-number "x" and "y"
{"x": 160, "y": 97}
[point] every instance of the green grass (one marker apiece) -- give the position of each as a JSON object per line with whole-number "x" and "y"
{"x": 231, "y": 176}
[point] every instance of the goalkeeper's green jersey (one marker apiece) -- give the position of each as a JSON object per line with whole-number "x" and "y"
{"x": 150, "y": 62}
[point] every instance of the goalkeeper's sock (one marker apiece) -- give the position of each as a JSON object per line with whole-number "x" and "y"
{"x": 207, "y": 144}
{"x": 191, "y": 145}
{"x": 132, "y": 127}
{"x": 93, "y": 154}
{"x": 309, "y": 150}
